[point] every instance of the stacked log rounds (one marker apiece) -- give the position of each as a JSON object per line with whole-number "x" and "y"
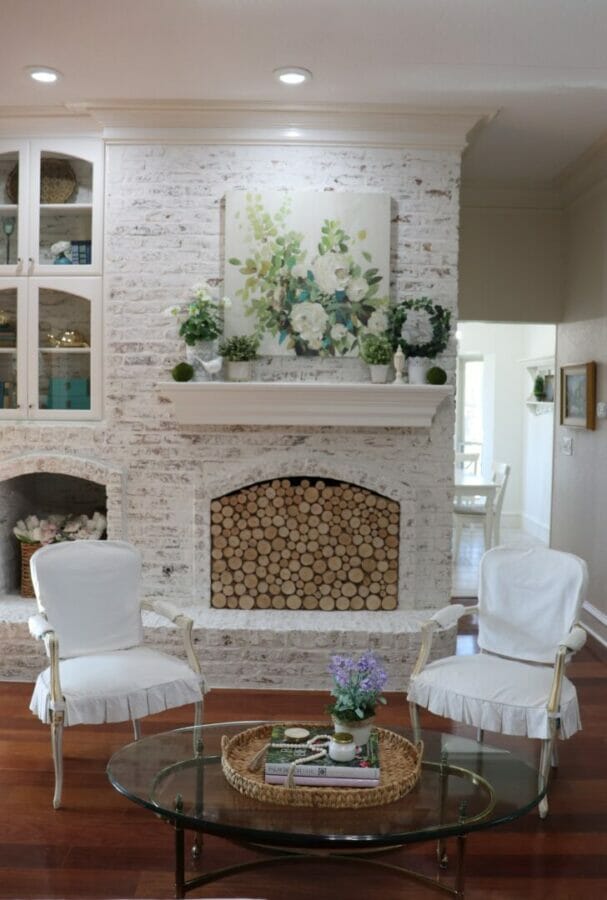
{"x": 304, "y": 544}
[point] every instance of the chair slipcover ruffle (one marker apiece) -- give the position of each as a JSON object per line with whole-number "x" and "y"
{"x": 494, "y": 694}
{"x": 117, "y": 686}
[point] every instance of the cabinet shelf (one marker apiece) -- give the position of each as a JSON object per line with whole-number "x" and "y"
{"x": 64, "y": 349}
{"x": 7, "y": 349}
{"x": 69, "y": 208}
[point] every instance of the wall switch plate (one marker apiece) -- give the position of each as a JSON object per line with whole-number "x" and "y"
{"x": 567, "y": 446}
{"x": 601, "y": 410}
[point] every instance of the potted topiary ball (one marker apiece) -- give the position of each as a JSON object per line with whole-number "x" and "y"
{"x": 238, "y": 353}
{"x": 376, "y": 351}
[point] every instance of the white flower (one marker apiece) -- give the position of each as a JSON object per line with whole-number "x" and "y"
{"x": 309, "y": 320}
{"x": 227, "y": 303}
{"x": 202, "y": 290}
{"x": 172, "y": 311}
{"x": 60, "y": 247}
{"x": 357, "y": 289}
{"x": 338, "y": 332}
{"x": 378, "y": 322}
{"x": 300, "y": 271}
{"x": 331, "y": 271}
{"x": 417, "y": 328}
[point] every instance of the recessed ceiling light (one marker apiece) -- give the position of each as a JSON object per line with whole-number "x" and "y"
{"x": 43, "y": 74}
{"x": 292, "y": 75}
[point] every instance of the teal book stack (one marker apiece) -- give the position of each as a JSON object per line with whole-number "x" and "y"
{"x": 69, "y": 393}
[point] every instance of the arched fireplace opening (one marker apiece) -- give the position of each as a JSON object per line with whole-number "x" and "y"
{"x": 41, "y": 494}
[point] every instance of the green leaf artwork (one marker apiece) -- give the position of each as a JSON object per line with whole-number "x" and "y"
{"x": 308, "y": 271}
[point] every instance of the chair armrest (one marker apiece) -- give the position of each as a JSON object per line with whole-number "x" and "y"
{"x": 39, "y": 626}
{"x": 575, "y": 640}
{"x": 441, "y": 619}
{"x": 184, "y": 623}
{"x": 572, "y": 642}
{"x": 41, "y": 629}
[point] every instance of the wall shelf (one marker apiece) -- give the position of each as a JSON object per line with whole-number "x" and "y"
{"x": 304, "y": 403}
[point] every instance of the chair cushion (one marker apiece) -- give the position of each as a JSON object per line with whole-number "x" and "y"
{"x": 496, "y": 694}
{"x": 117, "y": 686}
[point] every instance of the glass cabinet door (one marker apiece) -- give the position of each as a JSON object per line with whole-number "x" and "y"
{"x": 66, "y": 184}
{"x": 12, "y": 355}
{"x": 66, "y": 382}
{"x": 13, "y": 207}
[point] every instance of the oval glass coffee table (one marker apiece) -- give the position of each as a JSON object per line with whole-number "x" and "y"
{"x": 464, "y": 786}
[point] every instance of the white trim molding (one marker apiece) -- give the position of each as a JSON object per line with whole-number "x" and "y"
{"x": 599, "y": 632}
{"x": 304, "y": 403}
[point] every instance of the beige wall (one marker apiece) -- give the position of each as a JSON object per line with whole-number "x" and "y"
{"x": 580, "y": 488}
{"x": 511, "y": 264}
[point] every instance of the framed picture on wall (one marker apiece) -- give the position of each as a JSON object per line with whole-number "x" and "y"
{"x": 578, "y": 395}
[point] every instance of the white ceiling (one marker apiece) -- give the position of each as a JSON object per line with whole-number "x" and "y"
{"x": 541, "y": 63}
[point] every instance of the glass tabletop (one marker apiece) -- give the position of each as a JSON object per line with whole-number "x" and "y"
{"x": 464, "y": 786}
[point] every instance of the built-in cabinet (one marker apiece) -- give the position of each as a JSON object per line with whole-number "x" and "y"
{"x": 544, "y": 368}
{"x": 51, "y": 202}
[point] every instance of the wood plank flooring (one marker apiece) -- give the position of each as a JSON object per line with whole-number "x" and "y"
{"x": 103, "y": 846}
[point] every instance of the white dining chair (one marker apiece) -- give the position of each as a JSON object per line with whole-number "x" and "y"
{"x": 90, "y": 621}
{"x": 528, "y": 607}
{"x": 467, "y": 462}
{"x": 474, "y": 511}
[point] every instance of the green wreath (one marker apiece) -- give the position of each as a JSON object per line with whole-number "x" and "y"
{"x": 439, "y": 318}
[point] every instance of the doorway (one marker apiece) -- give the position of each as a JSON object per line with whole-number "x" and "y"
{"x": 499, "y": 416}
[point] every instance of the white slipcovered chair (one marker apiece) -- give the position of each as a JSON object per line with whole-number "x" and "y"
{"x": 529, "y": 602}
{"x": 90, "y": 620}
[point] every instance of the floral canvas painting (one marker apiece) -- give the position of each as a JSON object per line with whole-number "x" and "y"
{"x": 307, "y": 272}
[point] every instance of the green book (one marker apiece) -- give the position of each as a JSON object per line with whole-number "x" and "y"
{"x": 364, "y": 766}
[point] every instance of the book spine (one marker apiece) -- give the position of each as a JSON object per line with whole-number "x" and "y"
{"x": 323, "y": 771}
{"x": 325, "y": 782}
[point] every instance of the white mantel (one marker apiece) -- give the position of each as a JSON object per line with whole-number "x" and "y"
{"x": 304, "y": 403}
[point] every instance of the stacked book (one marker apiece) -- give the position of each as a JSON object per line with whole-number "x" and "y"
{"x": 363, "y": 771}
{"x": 81, "y": 253}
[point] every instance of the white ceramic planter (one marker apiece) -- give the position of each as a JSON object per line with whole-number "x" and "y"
{"x": 238, "y": 371}
{"x": 200, "y": 353}
{"x": 379, "y": 374}
{"x": 417, "y": 367}
{"x": 360, "y": 732}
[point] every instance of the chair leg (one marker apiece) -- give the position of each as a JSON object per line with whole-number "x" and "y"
{"x": 198, "y": 713}
{"x": 414, "y": 715}
{"x": 487, "y": 529}
{"x": 555, "y": 755}
{"x": 57, "y": 747}
{"x": 480, "y": 735}
{"x": 544, "y": 774}
{"x": 137, "y": 728}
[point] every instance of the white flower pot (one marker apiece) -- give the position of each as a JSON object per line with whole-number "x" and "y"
{"x": 360, "y": 731}
{"x": 203, "y": 352}
{"x": 417, "y": 367}
{"x": 238, "y": 371}
{"x": 379, "y": 374}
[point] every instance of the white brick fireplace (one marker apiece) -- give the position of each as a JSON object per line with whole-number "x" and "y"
{"x": 163, "y": 233}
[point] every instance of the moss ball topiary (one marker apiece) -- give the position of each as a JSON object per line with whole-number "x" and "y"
{"x": 436, "y": 375}
{"x": 183, "y": 372}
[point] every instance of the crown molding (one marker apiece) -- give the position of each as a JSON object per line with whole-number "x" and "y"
{"x": 250, "y": 123}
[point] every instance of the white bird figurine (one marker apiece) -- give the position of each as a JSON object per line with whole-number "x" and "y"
{"x": 212, "y": 366}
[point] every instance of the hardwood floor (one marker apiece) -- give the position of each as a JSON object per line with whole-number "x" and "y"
{"x": 103, "y": 846}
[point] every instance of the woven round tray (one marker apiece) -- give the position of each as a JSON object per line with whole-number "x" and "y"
{"x": 57, "y": 182}
{"x": 400, "y": 763}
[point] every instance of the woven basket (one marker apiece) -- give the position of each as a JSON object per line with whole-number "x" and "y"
{"x": 27, "y": 551}
{"x": 57, "y": 182}
{"x": 400, "y": 763}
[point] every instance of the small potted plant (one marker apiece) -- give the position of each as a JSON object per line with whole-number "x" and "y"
{"x": 539, "y": 387}
{"x": 201, "y": 323}
{"x": 238, "y": 352}
{"x": 357, "y": 689}
{"x": 421, "y": 329}
{"x": 376, "y": 351}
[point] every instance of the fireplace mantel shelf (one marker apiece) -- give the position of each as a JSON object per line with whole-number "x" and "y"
{"x": 304, "y": 403}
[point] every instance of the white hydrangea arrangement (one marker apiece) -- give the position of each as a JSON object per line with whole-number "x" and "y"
{"x": 53, "y": 529}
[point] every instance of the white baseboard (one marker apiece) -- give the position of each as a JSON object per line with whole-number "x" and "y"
{"x": 511, "y": 520}
{"x": 540, "y": 530}
{"x": 597, "y": 626}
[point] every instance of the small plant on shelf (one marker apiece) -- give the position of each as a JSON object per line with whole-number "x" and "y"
{"x": 241, "y": 348}
{"x": 376, "y": 350}
{"x": 539, "y": 387}
{"x": 202, "y": 318}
